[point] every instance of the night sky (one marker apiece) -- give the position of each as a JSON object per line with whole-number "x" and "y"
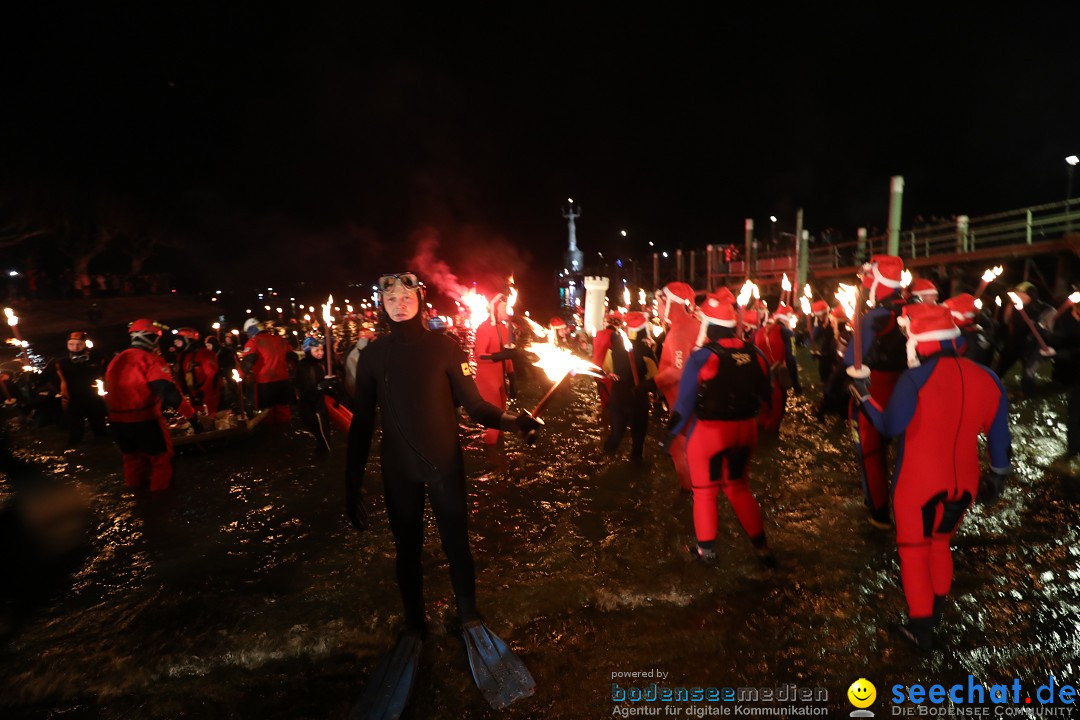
{"x": 319, "y": 142}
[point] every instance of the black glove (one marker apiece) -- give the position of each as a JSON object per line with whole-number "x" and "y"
{"x": 331, "y": 386}
{"x": 196, "y": 424}
{"x": 354, "y": 506}
{"x": 526, "y": 424}
{"x": 860, "y": 389}
{"x": 507, "y": 354}
{"x": 991, "y": 483}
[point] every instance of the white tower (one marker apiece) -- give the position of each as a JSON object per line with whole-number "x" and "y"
{"x": 595, "y": 293}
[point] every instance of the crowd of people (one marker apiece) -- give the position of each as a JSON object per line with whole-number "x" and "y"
{"x": 904, "y": 369}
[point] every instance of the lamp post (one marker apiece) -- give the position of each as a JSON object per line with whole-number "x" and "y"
{"x": 1072, "y": 160}
{"x": 772, "y": 233}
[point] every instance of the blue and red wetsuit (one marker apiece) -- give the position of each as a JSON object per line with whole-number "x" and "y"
{"x": 719, "y": 451}
{"x": 870, "y": 447}
{"x": 938, "y": 411}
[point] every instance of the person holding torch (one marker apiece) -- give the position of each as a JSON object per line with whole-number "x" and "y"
{"x": 878, "y": 342}
{"x": 723, "y": 387}
{"x": 494, "y": 351}
{"x": 679, "y": 339}
{"x": 939, "y": 407}
{"x": 417, "y": 379}
{"x": 631, "y": 365}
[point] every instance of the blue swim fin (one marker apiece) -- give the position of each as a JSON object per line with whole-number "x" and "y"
{"x": 498, "y": 672}
{"x": 387, "y": 690}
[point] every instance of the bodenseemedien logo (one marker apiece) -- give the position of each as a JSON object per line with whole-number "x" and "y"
{"x": 862, "y": 695}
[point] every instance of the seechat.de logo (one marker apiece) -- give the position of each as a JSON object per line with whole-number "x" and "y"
{"x": 862, "y": 695}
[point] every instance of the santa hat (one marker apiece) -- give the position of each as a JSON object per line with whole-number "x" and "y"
{"x": 963, "y": 309}
{"x": 557, "y": 323}
{"x": 925, "y": 326}
{"x": 724, "y": 295}
{"x": 677, "y": 292}
{"x": 751, "y": 318}
{"x": 782, "y": 312}
{"x": 882, "y": 271}
{"x": 716, "y": 310}
{"x": 923, "y": 288}
{"x": 636, "y": 322}
{"x": 820, "y": 307}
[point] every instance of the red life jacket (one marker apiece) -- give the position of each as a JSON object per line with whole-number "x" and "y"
{"x": 271, "y": 352}
{"x": 128, "y": 377}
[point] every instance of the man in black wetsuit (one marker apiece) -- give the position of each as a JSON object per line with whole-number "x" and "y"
{"x": 417, "y": 379}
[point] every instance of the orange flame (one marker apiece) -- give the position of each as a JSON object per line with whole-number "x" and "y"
{"x": 477, "y": 306}
{"x": 557, "y": 362}
{"x": 327, "y": 317}
{"x": 846, "y": 296}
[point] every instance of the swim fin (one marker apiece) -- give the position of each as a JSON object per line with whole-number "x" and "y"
{"x": 387, "y": 690}
{"x": 498, "y": 672}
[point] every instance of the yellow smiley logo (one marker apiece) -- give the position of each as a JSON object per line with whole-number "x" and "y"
{"x": 862, "y": 693}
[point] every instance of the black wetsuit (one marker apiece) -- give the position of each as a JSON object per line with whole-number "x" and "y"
{"x": 417, "y": 379}
{"x": 75, "y": 375}
{"x": 309, "y": 375}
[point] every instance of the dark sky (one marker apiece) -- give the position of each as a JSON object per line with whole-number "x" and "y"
{"x": 318, "y": 140}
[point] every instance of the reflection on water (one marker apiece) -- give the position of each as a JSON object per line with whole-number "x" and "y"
{"x": 243, "y": 593}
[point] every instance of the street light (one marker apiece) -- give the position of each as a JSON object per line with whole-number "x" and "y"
{"x": 772, "y": 234}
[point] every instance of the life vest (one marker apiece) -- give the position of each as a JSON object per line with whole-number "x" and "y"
{"x": 888, "y": 349}
{"x": 735, "y": 392}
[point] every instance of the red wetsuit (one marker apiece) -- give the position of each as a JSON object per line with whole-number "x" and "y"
{"x": 719, "y": 451}
{"x": 138, "y": 381}
{"x": 265, "y": 357}
{"x": 198, "y": 377}
{"x": 938, "y": 410}
{"x": 491, "y": 373}
{"x": 679, "y": 343}
{"x": 777, "y": 345}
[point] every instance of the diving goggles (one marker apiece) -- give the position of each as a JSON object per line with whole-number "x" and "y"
{"x": 408, "y": 281}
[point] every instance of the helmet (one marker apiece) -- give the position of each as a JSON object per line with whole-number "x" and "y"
{"x": 252, "y": 326}
{"x": 142, "y": 325}
{"x": 189, "y": 333}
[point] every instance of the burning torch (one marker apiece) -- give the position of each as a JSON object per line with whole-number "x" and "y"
{"x": 785, "y": 290}
{"x": 101, "y": 387}
{"x": 850, "y": 298}
{"x": 13, "y": 322}
{"x": 1065, "y": 306}
{"x": 240, "y": 392}
{"x": 808, "y": 297}
{"x": 1044, "y": 349}
{"x": 988, "y": 277}
{"x": 559, "y": 365}
{"x": 328, "y": 319}
{"x": 743, "y": 300}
